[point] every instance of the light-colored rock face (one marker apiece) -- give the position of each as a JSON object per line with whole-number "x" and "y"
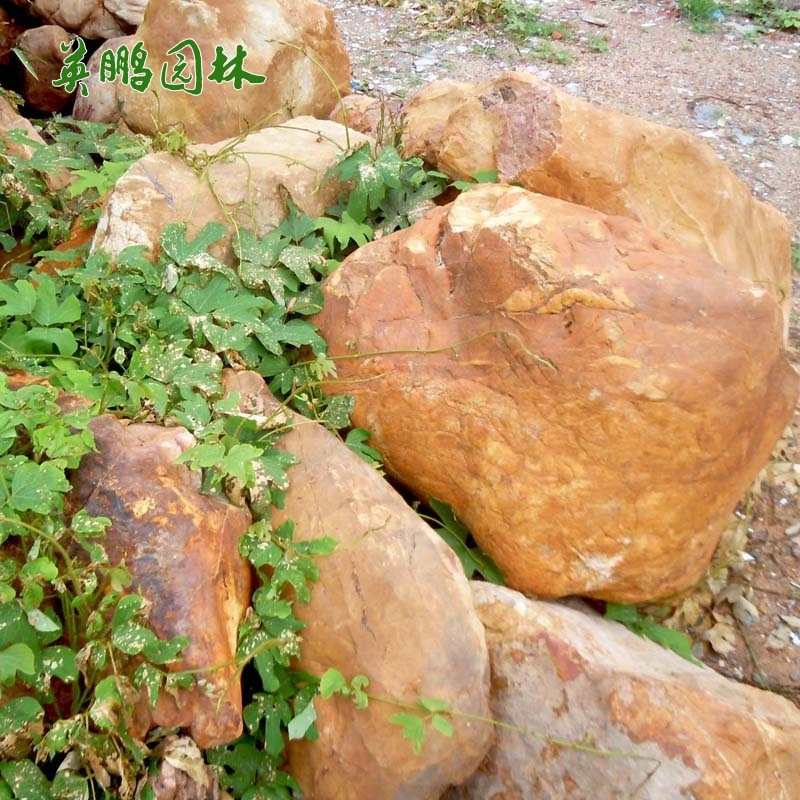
{"x": 592, "y": 399}
{"x": 99, "y": 104}
{"x": 548, "y": 141}
{"x": 11, "y": 121}
{"x": 391, "y": 603}
{"x": 182, "y": 549}
{"x": 92, "y": 19}
{"x": 671, "y": 730}
{"x": 244, "y": 184}
{"x": 293, "y": 44}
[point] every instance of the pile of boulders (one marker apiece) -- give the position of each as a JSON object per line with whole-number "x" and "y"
{"x": 585, "y": 359}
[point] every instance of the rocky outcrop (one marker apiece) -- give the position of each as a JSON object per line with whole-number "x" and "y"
{"x": 242, "y": 184}
{"x": 591, "y": 398}
{"x": 42, "y": 47}
{"x": 378, "y": 118}
{"x": 391, "y": 603}
{"x": 549, "y": 141}
{"x": 10, "y": 120}
{"x": 291, "y": 48}
{"x": 100, "y": 103}
{"x": 181, "y": 548}
{"x": 91, "y": 19}
{"x": 590, "y": 710}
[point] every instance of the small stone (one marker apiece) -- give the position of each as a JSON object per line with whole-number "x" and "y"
{"x": 707, "y": 115}
{"x": 742, "y": 138}
{"x": 599, "y": 21}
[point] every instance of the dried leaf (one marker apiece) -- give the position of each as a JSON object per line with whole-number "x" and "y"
{"x": 721, "y": 637}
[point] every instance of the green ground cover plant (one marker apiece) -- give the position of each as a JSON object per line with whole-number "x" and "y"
{"x": 147, "y": 341}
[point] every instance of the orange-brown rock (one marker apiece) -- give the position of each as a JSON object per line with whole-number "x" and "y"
{"x": 293, "y": 45}
{"x": 92, "y": 19}
{"x": 591, "y": 398}
{"x": 10, "y": 120}
{"x": 378, "y": 118}
{"x": 42, "y": 48}
{"x": 391, "y": 603}
{"x": 647, "y": 724}
{"x": 548, "y": 141}
{"x": 181, "y": 548}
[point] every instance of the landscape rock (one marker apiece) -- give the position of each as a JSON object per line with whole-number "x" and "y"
{"x": 182, "y": 549}
{"x": 378, "y": 118}
{"x": 10, "y": 29}
{"x": 91, "y": 19}
{"x": 549, "y": 141}
{"x": 42, "y": 48}
{"x": 100, "y": 103}
{"x": 669, "y": 729}
{"x": 591, "y": 398}
{"x": 293, "y": 45}
{"x": 243, "y": 185}
{"x": 10, "y": 120}
{"x": 392, "y": 603}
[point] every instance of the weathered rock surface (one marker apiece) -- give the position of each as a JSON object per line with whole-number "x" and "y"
{"x": 592, "y": 399}
{"x": 551, "y": 142}
{"x": 673, "y": 730}
{"x": 11, "y": 121}
{"x": 292, "y": 44}
{"x": 392, "y": 603}
{"x": 182, "y": 774}
{"x": 182, "y": 550}
{"x": 100, "y": 103}
{"x": 92, "y": 19}
{"x": 10, "y": 29}
{"x": 42, "y": 47}
{"x": 245, "y": 187}
{"x": 378, "y": 118}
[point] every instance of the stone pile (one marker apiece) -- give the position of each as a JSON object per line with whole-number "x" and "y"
{"x": 589, "y": 367}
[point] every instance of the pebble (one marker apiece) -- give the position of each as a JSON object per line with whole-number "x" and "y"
{"x": 742, "y": 138}
{"x": 788, "y": 140}
{"x": 707, "y": 115}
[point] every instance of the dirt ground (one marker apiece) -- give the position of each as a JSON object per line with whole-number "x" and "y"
{"x": 739, "y": 90}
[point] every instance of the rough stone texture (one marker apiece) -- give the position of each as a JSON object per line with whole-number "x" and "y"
{"x": 11, "y": 121}
{"x": 182, "y": 774}
{"x": 130, "y": 12}
{"x": 42, "y": 47}
{"x": 100, "y": 103}
{"x": 676, "y": 730}
{"x": 292, "y": 43}
{"x": 182, "y": 550}
{"x": 377, "y": 118}
{"x": 10, "y": 29}
{"x": 391, "y": 603}
{"x": 252, "y": 181}
{"x": 548, "y": 141}
{"x": 92, "y": 19}
{"x": 591, "y": 398}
